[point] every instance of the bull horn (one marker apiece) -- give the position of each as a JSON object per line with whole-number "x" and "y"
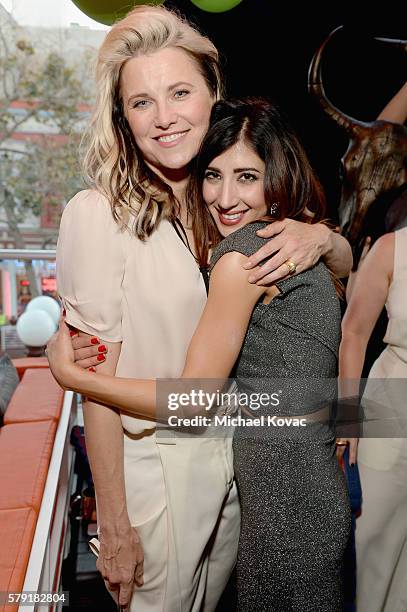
{"x": 316, "y": 88}
{"x": 401, "y": 44}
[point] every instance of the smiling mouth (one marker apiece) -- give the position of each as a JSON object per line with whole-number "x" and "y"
{"x": 231, "y": 218}
{"x": 170, "y": 139}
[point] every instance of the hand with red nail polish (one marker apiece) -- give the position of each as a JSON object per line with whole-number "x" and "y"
{"x": 87, "y": 349}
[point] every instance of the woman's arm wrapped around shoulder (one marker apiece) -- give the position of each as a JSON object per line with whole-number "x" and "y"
{"x": 212, "y": 352}
{"x": 301, "y": 243}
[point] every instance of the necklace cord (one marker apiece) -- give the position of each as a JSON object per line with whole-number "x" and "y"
{"x": 177, "y": 225}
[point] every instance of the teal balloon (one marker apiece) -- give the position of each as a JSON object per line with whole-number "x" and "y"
{"x": 109, "y": 11}
{"x": 216, "y": 6}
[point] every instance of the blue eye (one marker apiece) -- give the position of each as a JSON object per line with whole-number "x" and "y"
{"x": 181, "y": 93}
{"x": 141, "y": 103}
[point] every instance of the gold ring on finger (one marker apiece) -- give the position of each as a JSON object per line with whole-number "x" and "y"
{"x": 291, "y": 266}
{"x": 341, "y": 443}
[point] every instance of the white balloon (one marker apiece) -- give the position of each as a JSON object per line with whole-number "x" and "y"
{"x": 44, "y": 302}
{"x": 35, "y": 328}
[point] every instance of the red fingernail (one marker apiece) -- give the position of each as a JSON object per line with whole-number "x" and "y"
{"x": 72, "y": 332}
{"x": 94, "y": 340}
{"x": 101, "y": 348}
{"x": 91, "y": 370}
{"x": 64, "y": 313}
{"x": 101, "y": 358}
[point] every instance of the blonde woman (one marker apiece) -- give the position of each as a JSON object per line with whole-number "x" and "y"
{"x": 127, "y": 276}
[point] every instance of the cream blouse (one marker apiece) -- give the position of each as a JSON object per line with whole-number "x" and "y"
{"x": 147, "y": 295}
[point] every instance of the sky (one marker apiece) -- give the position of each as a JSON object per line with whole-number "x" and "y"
{"x": 51, "y": 13}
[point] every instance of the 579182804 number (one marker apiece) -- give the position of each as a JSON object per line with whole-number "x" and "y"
{"x": 33, "y": 597}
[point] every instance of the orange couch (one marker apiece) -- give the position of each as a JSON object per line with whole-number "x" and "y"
{"x": 26, "y": 444}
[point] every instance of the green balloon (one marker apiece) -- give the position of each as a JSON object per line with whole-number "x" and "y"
{"x": 109, "y": 11}
{"x": 216, "y": 6}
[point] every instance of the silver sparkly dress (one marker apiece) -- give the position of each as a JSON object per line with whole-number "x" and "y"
{"x": 295, "y": 506}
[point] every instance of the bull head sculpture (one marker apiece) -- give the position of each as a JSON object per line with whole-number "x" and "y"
{"x": 375, "y": 163}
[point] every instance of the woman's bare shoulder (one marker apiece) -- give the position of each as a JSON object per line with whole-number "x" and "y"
{"x": 383, "y": 247}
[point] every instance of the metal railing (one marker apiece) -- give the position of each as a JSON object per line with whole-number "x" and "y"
{"x": 50, "y": 545}
{"x": 27, "y": 254}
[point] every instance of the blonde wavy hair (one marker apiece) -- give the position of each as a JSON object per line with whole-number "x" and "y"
{"x": 113, "y": 164}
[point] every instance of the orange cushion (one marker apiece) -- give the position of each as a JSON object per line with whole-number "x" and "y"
{"x": 23, "y": 363}
{"x": 38, "y": 397}
{"x": 17, "y": 527}
{"x": 25, "y": 451}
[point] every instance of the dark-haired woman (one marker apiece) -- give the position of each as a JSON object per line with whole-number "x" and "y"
{"x": 280, "y": 339}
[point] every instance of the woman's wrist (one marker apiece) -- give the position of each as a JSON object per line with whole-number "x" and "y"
{"x": 326, "y": 237}
{"x": 336, "y": 251}
{"x": 113, "y": 517}
{"x": 74, "y": 378}
{"x": 114, "y": 526}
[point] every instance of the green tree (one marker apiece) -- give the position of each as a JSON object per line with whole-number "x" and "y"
{"x": 44, "y": 171}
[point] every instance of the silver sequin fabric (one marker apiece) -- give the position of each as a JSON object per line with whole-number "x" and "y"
{"x": 295, "y": 505}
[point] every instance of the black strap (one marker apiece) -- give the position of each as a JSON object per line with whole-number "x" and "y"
{"x": 205, "y": 276}
{"x": 177, "y": 225}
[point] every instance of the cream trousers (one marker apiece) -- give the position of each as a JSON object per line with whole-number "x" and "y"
{"x": 182, "y": 498}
